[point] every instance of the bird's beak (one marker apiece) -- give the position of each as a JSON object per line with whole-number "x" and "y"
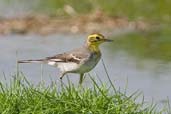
{"x": 108, "y": 40}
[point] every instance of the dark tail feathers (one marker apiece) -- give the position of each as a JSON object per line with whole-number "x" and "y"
{"x": 31, "y": 61}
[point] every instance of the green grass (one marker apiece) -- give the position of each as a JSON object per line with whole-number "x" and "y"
{"x": 158, "y": 10}
{"x": 22, "y": 97}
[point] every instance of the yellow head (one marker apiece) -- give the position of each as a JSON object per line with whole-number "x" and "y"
{"x": 95, "y": 39}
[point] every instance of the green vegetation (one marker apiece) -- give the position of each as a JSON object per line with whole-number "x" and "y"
{"x": 158, "y": 10}
{"x": 22, "y": 97}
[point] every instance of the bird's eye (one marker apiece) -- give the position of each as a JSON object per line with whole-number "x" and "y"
{"x": 98, "y": 38}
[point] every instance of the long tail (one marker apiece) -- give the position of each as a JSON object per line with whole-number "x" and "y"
{"x": 32, "y": 61}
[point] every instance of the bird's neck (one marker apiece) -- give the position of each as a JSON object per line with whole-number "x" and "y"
{"x": 93, "y": 48}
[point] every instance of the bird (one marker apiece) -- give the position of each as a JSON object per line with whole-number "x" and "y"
{"x": 80, "y": 60}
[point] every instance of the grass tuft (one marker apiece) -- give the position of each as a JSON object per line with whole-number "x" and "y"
{"x": 22, "y": 97}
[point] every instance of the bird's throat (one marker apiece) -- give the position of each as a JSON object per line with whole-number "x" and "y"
{"x": 94, "y": 48}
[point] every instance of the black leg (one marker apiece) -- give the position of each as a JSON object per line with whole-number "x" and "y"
{"x": 81, "y": 78}
{"x": 61, "y": 76}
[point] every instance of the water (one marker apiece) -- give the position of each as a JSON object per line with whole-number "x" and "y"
{"x": 152, "y": 77}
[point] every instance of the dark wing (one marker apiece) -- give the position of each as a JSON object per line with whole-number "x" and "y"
{"x": 73, "y": 56}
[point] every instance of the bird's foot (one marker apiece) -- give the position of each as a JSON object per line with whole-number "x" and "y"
{"x": 62, "y": 75}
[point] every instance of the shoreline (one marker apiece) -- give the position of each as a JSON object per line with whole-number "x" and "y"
{"x": 45, "y": 25}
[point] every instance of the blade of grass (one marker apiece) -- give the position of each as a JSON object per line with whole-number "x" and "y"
{"x": 108, "y": 76}
{"x": 94, "y": 82}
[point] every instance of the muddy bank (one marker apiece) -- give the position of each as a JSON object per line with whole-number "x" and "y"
{"x": 44, "y": 24}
